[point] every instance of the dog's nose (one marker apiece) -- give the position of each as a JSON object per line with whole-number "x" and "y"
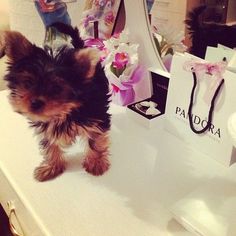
{"x": 36, "y": 104}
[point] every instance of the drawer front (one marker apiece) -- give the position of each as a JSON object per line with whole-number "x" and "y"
{"x": 169, "y": 5}
{"x": 19, "y": 217}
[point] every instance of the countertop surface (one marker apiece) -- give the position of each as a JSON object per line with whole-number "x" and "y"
{"x": 150, "y": 171}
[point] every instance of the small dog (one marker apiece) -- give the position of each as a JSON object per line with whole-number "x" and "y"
{"x": 63, "y": 96}
{"x": 208, "y": 33}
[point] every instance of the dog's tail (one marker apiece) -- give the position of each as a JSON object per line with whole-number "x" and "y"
{"x": 76, "y": 40}
{"x": 192, "y": 22}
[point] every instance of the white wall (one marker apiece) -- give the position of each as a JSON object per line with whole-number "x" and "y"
{"x": 4, "y": 24}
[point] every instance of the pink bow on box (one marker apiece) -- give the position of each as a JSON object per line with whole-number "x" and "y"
{"x": 122, "y": 91}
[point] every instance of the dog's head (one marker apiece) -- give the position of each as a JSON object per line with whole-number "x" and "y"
{"x": 208, "y": 33}
{"x": 44, "y": 87}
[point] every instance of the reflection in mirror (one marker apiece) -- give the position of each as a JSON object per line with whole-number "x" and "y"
{"x": 101, "y": 18}
{"x": 168, "y": 34}
{"x": 206, "y": 27}
{"x": 211, "y": 24}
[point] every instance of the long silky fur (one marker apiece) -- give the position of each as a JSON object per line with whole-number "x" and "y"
{"x": 76, "y": 41}
{"x": 75, "y": 100}
{"x": 204, "y": 34}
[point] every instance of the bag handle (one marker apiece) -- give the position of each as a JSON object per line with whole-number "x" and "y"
{"x": 210, "y": 114}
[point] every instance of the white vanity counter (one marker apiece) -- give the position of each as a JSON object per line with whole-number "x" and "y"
{"x": 150, "y": 171}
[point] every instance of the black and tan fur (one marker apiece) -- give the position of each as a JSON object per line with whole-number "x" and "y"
{"x": 63, "y": 96}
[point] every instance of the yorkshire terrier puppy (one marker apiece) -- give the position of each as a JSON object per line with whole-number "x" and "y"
{"x": 205, "y": 34}
{"x": 64, "y": 96}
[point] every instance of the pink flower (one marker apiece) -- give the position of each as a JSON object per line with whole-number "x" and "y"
{"x": 121, "y": 60}
{"x": 88, "y": 19}
{"x": 116, "y": 35}
{"x": 115, "y": 89}
{"x": 100, "y": 3}
{"x": 109, "y": 18}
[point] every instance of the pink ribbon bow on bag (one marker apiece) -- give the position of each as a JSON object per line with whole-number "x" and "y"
{"x": 216, "y": 70}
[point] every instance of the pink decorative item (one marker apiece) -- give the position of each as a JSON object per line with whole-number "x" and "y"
{"x": 123, "y": 92}
{"x": 122, "y": 68}
{"x": 119, "y": 58}
{"x": 102, "y": 11}
{"x": 216, "y": 69}
{"x": 213, "y": 71}
{"x": 94, "y": 43}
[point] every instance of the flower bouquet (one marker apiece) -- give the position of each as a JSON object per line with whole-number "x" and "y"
{"x": 121, "y": 65}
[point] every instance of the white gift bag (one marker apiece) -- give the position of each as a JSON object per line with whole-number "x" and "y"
{"x": 222, "y": 53}
{"x": 207, "y": 92}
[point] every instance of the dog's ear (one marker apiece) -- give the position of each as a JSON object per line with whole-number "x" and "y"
{"x": 14, "y": 45}
{"x": 87, "y": 60}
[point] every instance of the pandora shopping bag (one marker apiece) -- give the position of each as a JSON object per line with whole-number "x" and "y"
{"x": 201, "y": 97}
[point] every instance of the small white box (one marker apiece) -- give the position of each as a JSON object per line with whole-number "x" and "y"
{"x": 144, "y": 120}
{"x": 150, "y": 111}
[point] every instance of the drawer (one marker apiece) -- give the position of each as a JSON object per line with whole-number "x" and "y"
{"x": 19, "y": 216}
{"x": 169, "y": 5}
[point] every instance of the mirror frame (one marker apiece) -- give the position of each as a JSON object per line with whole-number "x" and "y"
{"x": 152, "y": 37}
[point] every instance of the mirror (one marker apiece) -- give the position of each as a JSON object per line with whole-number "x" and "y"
{"x": 128, "y": 14}
{"x": 171, "y": 34}
{"x": 109, "y": 14}
{"x": 102, "y": 19}
{"x": 108, "y": 18}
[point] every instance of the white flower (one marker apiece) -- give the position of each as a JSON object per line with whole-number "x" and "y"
{"x": 132, "y": 51}
{"x": 114, "y": 41}
{"x": 172, "y": 36}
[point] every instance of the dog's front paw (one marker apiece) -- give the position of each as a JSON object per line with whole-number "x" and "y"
{"x": 96, "y": 166}
{"x": 46, "y": 172}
